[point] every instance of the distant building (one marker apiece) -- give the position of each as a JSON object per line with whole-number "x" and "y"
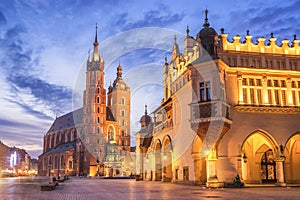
{"x": 14, "y": 161}
{"x": 94, "y": 140}
{"x": 229, "y": 108}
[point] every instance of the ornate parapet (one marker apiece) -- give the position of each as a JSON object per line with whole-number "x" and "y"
{"x": 260, "y": 47}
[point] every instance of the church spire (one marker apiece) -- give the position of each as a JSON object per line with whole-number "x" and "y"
{"x": 206, "y": 23}
{"x": 146, "y": 112}
{"x": 119, "y": 71}
{"x": 96, "y": 51}
{"x": 175, "y": 48}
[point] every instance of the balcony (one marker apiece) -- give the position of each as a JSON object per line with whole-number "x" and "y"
{"x": 210, "y": 111}
{"x": 163, "y": 125}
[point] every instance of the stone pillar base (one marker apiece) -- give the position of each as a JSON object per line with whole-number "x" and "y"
{"x": 214, "y": 184}
{"x": 280, "y": 184}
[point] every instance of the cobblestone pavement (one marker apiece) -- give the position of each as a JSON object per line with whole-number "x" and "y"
{"x": 86, "y": 188}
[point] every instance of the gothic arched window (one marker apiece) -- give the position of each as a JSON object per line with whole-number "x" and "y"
{"x": 111, "y": 133}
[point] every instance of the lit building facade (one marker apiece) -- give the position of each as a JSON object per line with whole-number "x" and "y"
{"x": 229, "y": 108}
{"x": 95, "y": 139}
{"x": 14, "y": 161}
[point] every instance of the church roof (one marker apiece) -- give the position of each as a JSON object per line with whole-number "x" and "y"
{"x": 67, "y": 121}
{"x": 109, "y": 115}
{"x": 62, "y": 148}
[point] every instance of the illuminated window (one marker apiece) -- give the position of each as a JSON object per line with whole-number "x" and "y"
{"x": 270, "y": 97}
{"x": 252, "y": 95}
{"x": 205, "y": 91}
{"x": 70, "y": 165}
{"x": 259, "y": 96}
{"x": 251, "y": 82}
{"x": 276, "y": 92}
{"x": 269, "y": 83}
{"x": 245, "y": 95}
{"x": 111, "y": 133}
{"x": 283, "y": 97}
{"x": 294, "y": 97}
{"x": 258, "y": 82}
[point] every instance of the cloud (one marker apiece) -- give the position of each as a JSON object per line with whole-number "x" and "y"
{"x": 28, "y": 103}
{"x": 55, "y": 97}
{"x": 276, "y": 18}
{"x": 2, "y": 19}
{"x": 160, "y": 17}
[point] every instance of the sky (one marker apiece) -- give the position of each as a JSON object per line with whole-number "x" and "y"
{"x": 44, "y": 46}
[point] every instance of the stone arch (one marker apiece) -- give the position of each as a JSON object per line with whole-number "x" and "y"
{"x": 167, "y": 158}
{"x": 158, "y": 160}
{"x": 199, "y": 161}
{"x": 291, "y": 151}
{"x": 196, "y": 145}
{"x": 259, "y": 151}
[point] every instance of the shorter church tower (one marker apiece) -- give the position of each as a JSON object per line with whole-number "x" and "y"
{"x": 119, "y": 104}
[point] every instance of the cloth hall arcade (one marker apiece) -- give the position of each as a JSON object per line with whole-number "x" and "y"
{"x": 229, "y": 108}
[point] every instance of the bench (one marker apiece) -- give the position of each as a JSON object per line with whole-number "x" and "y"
{"x": 234, "y": 185}
{"x": 48, "y": 187}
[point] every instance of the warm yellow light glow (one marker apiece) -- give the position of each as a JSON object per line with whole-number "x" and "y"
{"x": 207, "y": 152}
{"x": 165, "y": 157}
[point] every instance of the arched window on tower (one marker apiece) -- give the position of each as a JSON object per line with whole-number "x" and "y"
{"x": 123, "y": 113}
{"x": 98, "y": 110}
{"x": 98, "y": 99}
{"x": 123, "y": 101}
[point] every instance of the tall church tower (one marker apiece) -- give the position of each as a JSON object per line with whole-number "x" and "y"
{"x": 94, "y": 104}
{"x": 119, "y": 104}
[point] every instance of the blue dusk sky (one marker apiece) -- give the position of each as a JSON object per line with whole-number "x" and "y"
{"x": 44, "y": 45}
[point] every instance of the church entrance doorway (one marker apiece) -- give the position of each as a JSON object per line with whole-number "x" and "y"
{"x": 268, "y": 167}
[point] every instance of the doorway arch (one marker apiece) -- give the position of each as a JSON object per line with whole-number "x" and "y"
{"x": 199, "y": 161}
{"x": 157, "y": 159}
{"x": 167, "y": 158}
{"x": 292, "y": 161}
{"x": 259, "y": 151}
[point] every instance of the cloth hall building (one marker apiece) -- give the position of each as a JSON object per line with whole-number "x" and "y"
{"x": 229, "y": 108}
{"x": 95, "y": 139}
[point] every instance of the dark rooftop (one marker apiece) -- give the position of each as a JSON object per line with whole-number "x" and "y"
{"x": 63, "y": 147}
{"x": 66, "y": 121}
